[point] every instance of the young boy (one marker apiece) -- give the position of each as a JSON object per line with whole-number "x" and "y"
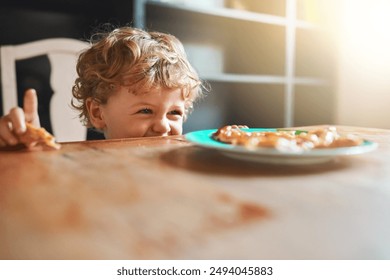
{"x": 131, "y": 83}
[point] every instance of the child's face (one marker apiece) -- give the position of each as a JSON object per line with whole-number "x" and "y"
{"x": 157, "y": 113}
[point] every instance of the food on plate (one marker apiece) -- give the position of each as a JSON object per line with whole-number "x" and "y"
{"x": 38, "y": 136}
{"x": 286, "y": 140}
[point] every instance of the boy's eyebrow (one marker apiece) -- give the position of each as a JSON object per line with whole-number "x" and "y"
{"x": 141, "y": 103}
{"x": 176, "y": 106}
{"x": 145, "y": 103}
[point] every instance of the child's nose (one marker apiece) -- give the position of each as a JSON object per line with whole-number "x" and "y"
{"x": 161, "y": 126}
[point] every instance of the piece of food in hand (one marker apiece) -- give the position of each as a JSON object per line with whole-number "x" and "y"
{"x": 286, "y": 140}
{"x": 38, "y": 136}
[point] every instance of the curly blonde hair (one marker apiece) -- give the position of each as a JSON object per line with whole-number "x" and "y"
{"x": 134, "y": 58}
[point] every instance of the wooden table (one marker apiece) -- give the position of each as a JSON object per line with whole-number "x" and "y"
{"x": 164, "y": 198}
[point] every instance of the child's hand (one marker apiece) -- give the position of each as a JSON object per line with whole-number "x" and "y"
{"x": 14, "y": 123}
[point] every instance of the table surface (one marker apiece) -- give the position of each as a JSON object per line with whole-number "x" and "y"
{"x": 165, "y": 198}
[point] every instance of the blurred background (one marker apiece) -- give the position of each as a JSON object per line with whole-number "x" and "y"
{"x": 269, "y": 63}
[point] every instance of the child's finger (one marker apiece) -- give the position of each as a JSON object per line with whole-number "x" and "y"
{"x": 6, "y": 134}
{"x": 17, "y": 119}
{"x": 30, "y": 107}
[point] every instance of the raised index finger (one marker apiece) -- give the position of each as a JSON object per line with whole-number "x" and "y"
{"x": 30, "y": 107}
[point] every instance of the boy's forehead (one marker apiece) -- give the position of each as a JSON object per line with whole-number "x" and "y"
{"x": 157, "y": 95}
{"x": 157, "y": 92}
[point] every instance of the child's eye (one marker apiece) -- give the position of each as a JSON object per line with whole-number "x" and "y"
{"x": 145, "y": 111}
{"x": 176, "y": 112}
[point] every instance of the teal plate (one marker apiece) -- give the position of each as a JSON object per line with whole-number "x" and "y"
{"x": 203, "y": 138}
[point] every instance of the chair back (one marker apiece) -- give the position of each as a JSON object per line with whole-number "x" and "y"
{"x": 62, "y": 54}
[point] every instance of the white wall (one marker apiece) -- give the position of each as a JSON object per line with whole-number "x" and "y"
{"x": 363, "y": 86}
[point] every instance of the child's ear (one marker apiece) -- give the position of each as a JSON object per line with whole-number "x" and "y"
{"x": 95, "y": 113}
